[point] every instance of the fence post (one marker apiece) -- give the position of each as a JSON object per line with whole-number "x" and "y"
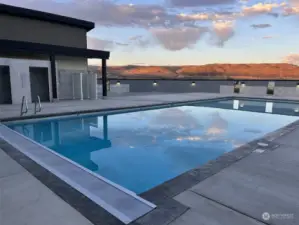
{"x": 88, "y": 84}
{"x": 73, "y": 85}
{"x": 96, "y": 85}
{"x": 81, "y": 86}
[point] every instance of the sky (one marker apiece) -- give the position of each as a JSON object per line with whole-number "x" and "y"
{"x": 185, "y": 32}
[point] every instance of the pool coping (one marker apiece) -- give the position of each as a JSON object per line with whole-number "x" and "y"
{"x": 162, "y": 196}
{"x": 115, "y": 110}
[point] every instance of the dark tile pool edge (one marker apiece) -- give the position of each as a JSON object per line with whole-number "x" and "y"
{"x": 89, "y": 209}
{"x": 163, "y": 194}
{"x": 267, "y": 98}
{"x": 115, "y": 110}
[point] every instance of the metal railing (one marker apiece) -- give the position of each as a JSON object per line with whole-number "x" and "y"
{"x": 24, "y": 104}
{"x": 37, "y": 105}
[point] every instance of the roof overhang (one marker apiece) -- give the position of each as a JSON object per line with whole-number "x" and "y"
{"x": 44, "y": 16}
{"x": 9, "y": 46}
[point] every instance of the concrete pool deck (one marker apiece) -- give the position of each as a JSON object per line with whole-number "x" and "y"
{"x": 11, "y": 112}
{"x": 264, "y": 181}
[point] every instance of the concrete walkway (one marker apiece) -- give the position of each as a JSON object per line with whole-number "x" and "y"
{"x": 13, "y": 111}
{"x": 113, "y": 102}
{"x": 24, "y": 200}
{"x": 262, "y": 188}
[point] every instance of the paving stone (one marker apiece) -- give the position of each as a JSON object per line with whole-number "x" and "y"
{"x": 163, "y": 214}
{"x": 290, "y": 139}
{"x": 24, "y": 200}
{"x": 206, "y": 212}
{"x": 8, "y": 166}
{"x": 267, "y": 182}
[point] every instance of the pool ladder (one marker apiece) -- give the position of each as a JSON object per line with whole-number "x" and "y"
{"x": 37, "y": 105}
{"x": 24, "y": 105}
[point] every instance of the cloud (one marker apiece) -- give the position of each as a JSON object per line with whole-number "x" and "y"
{"x": 205, "y": 16}
{"x": 259, "y": 26}
{"x": 100, "y": 44}
{"x": 175, "y": 39}
{"x": 171, "y": 30}
{"x": 267, "y": 37}
{"x": 95, "y": 43}
{"x": 136, "y": 37}
{"x": 194, "y": 17}
{"x": 105, "y": 13}
{"x": 261, "y": 8}
{"x": 294, "y": 2}
{"x": 221, "y": 32}
{"x": 288, "y": 11}
{"x": 140, "y": 41}
{"x": 192, "y": 3}
{"x": 292, "y": 58}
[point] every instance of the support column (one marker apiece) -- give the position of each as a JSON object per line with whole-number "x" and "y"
{"x": 105, "y": 127}
{"x": 53, "y": 76}
{"x": 104, "y": 77}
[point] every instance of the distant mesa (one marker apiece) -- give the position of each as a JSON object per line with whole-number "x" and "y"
{"x": 209, "y": 71}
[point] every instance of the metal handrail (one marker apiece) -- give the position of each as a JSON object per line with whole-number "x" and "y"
{"x": 24, "y": 103}
{"x": 37, "y": 103}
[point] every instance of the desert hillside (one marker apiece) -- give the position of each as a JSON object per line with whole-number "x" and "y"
{"x": 212, "y": 71}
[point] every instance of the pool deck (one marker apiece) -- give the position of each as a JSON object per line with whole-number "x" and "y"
{"x": 48, "y": 109}
{"x": 236, "y": 193}
{"x": 12, "y": 112}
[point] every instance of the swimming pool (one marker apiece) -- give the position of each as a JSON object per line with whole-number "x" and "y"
{"x": 140, "y": 150}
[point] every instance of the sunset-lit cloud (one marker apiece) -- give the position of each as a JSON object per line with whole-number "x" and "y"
{"x": 287, "y": 11}
{"x": 292, "y": 58}
{"x": 261, "y": 8}
{"x": 175, "y": 39}
{"x": 222, "y": 31}
{"x": 193, "y": 3}
{"x": 175, "y": 25}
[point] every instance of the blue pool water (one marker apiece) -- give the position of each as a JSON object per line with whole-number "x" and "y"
{"x": 141, "y": 150}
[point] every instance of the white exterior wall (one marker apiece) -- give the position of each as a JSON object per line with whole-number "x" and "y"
{"x": 20, "y": 77}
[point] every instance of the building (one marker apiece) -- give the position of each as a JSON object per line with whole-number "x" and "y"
{"x": 34, "y": 46}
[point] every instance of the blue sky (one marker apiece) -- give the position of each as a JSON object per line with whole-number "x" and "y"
{"x": 189, "y": 32}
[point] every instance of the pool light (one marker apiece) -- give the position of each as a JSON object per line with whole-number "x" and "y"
{"x": 193, "y": 84}
{"x": 155, "y": 83}
{"x": 118, "y": 83}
